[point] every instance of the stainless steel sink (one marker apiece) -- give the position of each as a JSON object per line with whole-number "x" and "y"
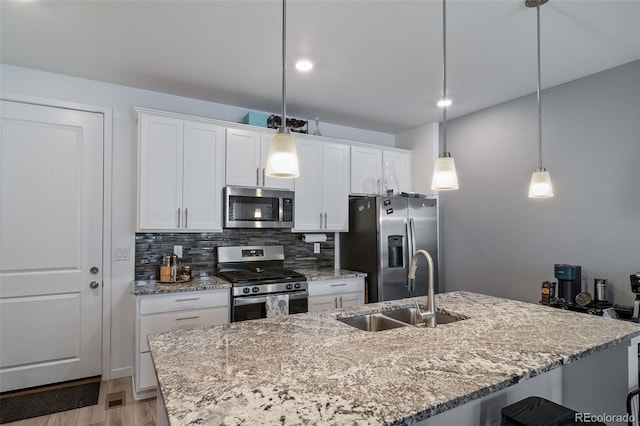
{"x": 410, "y": 316}
{"x": 373, "y": 322}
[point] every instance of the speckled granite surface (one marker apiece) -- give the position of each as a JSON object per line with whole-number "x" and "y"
{"x": 141, "y": 288}
{"x": 146, "y": 287}
{"x": 312, "y": 369}
{"x": 319, "y": 274}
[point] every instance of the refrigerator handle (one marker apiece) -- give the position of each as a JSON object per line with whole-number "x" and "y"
{"x": 407, "y": 256}
{"x": 412, "y": 250}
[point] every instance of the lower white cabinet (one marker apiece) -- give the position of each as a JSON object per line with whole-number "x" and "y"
{"x": 167, "y": 312}
{"x": 338, "y": 293}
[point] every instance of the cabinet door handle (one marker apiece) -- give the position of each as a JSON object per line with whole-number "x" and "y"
{"x": 325, "y": 221}
{"x": 335, "y": 302}
{"x": 186, "y": 217}
{"x": 187, "y": 300}
{"x": 179, "y": 218}
{"x": 187, "y": 318}
{"x": 320, "y": 220}
{"x": 263, "y": 178}
{"x": 341, "y": 301}
{"x": 258, "y": 176}
{"x": 338, "y": 285}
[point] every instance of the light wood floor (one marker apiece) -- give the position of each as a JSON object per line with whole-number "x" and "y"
{"x": 132, "y": 413}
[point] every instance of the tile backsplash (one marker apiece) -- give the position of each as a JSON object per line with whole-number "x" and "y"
{"x": 199, "y": 249}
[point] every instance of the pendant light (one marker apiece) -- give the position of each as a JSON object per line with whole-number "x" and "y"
{"x": 282, "y": 161}
{"x": 444, "y": 173}
{"x": 540, "y": 186}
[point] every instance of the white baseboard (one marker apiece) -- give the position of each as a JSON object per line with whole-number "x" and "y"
{"x": 118, "y": 373}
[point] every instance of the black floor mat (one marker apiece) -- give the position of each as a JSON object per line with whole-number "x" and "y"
{"x": 48, "y": 401}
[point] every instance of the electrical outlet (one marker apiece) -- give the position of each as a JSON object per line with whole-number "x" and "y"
{"x": 178, "y": 251}
{"x": 316, "y": 248}
{"x": 121, "y": 253}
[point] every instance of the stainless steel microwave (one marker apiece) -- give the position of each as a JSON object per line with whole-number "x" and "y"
{"x": 257, "y": 208}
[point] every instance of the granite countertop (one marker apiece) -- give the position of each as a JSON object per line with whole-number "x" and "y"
{"x": 312, "y": 369}
{"x": 147, "y": 287}
{"x": 143, "y": 288}
{"x": 319, "y": 274}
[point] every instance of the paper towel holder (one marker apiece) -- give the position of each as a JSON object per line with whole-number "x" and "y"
{"x": 314, "y": 238}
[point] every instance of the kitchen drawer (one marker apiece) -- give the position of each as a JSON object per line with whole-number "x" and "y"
{"x": 146, "y": 377}
{"x": 336, "y": 286}
{"x": 159, "y": 323}
{"x": 347, "y": 300}
{"x": 183, "y": 301}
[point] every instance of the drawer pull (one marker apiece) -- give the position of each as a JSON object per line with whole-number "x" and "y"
{"x": 187, "y": 300}
{"x": 187, "y": 318}
{"x": 338, "y": 285}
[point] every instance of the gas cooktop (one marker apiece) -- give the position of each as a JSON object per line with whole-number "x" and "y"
{"x": 262, "y": 276}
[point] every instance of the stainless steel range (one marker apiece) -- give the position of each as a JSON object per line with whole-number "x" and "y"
{"x": 256, "y": 274}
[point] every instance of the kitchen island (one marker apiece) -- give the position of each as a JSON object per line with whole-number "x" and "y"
{"x": 312, "y": 369}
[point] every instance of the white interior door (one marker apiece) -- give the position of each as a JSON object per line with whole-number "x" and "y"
{"x": 51, "y": 192}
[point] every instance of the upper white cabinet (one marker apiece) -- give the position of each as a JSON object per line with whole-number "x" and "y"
{"x": 368, "y": 169}
{"x": 247, "y": 152}
{"x": 401, "y": 163}
{"x": 180, "y": 174}
{"x": 322, "y": 190}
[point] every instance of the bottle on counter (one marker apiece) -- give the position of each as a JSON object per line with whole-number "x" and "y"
{"x": 165, "y": 269}
{"x": 174, "y": 268}
{"x": 185, "y": 273}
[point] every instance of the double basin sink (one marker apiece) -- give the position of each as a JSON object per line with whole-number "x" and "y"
{"x": 394, "y": 319}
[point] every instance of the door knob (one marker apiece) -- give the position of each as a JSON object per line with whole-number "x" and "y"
{"x": 94, "y": 284}
{"x": 94, "y": 270}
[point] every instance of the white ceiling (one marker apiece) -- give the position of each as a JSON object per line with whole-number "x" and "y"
{"x": 378, "y": 64}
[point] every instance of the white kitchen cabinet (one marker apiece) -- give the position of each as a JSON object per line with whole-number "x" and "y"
{"x": 180, "y": 174}
{"x": 247, "y": 152}
{"x": 322, "y": 190}
{"x": 336, "y": 293}
{"x": 368, "y": 169}
{"x": 402, "y": 164}
{"x": 168, "y": 312}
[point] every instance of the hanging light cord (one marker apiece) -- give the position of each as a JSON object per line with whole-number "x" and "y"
{"x": 284, "y": 66}
{"x": 539, "y": 97}
{"x": 444, "y": 72}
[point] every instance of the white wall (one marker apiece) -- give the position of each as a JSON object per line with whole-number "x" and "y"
{"x": 23, "y": 81}
{"x": 423, "y": 141}
{"x": 498, "y": 241}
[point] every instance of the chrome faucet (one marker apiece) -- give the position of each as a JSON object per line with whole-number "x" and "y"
{"x": 429, "y": 317}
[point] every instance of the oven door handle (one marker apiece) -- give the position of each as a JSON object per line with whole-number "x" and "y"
{"x": 242, "y": 301}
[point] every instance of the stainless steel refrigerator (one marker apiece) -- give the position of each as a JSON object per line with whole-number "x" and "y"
{"x": 384, "y": 233}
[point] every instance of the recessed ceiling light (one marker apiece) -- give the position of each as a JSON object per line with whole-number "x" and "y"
{"x": 444, "y": 103}
{"x": 304, "y": 65}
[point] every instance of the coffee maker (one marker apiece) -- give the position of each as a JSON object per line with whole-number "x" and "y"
{"x": 569, "y": 282}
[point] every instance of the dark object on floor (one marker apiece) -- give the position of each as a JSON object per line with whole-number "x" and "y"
{"x": 536, "y": 411}
{"x": 115, "y": 399}
{"x": 48, "y": 399}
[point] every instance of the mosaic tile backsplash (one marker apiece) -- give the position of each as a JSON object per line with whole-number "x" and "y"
{"x": 199, "y": 249}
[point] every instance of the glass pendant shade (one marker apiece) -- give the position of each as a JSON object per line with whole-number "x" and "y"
{"x": 445, "y": 177}
{"x": 540, "y": 186}
{"x": 282, "y": 161}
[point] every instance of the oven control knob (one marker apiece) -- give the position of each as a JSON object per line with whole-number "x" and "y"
{"x": 289, "y": 286}
{"x": 255, "y": 289}
{"x": 298, "y": 285}
{"x": 246, "y": 290}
